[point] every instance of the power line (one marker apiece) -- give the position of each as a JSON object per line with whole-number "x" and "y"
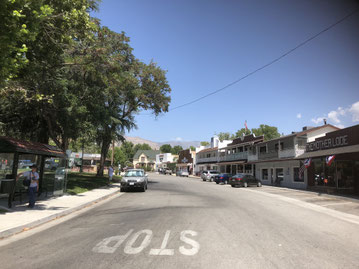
{"x": 266, "y": 65}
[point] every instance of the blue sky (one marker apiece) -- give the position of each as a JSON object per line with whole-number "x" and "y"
{"x": 207, "y": 44}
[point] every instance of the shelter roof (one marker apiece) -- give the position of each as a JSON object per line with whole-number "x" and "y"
{"x": 9, "y": 145}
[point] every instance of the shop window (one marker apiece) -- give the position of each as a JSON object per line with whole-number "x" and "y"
{"x": 264, "y": 174}
{"x": 296, "y": 177}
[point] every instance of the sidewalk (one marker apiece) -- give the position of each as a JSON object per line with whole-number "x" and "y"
{"x": 342, "y": 203}
{"x": 21, "y": 218}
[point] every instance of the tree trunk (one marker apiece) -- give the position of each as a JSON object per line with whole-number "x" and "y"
{"x": 106, "y": 142}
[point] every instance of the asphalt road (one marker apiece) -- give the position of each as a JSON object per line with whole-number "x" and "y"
{"x": 187, "y": 223}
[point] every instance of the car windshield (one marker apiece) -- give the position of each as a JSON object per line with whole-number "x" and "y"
{"x": 239, "y": 175}
{"x": 134, "y": 173}
{"x": 213, "y": 172}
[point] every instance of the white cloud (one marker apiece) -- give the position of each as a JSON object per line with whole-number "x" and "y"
{"x": 354, "y": 110}
{"x": 299, "y": 116}
{"x": 178, "y": 138}
{"x": 335, "y": 114}
{"x": 318, "y": 120}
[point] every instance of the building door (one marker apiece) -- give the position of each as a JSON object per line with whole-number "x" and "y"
{"x": 279, "y": 175}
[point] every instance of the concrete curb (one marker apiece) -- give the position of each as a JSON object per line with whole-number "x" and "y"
{"x": 12, "y": 231}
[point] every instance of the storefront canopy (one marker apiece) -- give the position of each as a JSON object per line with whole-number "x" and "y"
{"x": 328, "y": 152}
{"x": 11, "y": 145}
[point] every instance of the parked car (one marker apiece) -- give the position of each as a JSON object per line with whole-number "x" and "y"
{"x": 51, "y": 164}
{"x": 244, "y": 180}
{"x": 134, "y": 178}
{"x": 24, "y": 164}
{"x": 204, "y": 175}
{"x": 167, "y": 171}
{"x": 210, "y": 175}
{"x": 182, "y": 173}
{"x": 222, "y": 178}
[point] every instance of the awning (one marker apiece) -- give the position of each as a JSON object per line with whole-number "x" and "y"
{"x": 328, "y": 152}
{"x": 233, "y": 162}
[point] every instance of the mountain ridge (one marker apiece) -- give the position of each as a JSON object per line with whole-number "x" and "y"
{"x": 156, "y": 145}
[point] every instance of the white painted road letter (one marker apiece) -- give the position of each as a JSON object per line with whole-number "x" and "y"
{"x": 195, "y": 245}
{"x": 103, "y": 246}
{"x": 146, "y": 241}
{"x": 163, "y": 250}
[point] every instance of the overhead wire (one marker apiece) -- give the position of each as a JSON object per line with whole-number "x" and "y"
{"x": 267, "y": 64}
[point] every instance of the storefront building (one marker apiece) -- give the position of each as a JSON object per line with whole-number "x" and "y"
{"x": 207, "y": 159}
{"x": 186, "y": 161}
{"x": 234, "y": 157}
{"x": 334, "y": 162}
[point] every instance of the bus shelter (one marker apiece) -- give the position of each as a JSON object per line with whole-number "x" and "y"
{"x": 17, "y": 156}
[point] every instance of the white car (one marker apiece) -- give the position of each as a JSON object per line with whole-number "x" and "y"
{"x": 182, "y": 173}
{"x": 209, "y": 175}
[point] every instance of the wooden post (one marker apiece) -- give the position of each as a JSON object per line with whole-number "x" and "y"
{"x": 41, "y": 181}
{"x": 82, "y": 157}
{"x": 14, "y": 174}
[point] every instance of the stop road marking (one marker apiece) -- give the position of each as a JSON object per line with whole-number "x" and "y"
{"x": 111, "y": 244}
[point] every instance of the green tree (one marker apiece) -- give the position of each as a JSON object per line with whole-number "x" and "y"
{"x": 128, "y": 149}
{"x": 240, "y": 132}
{"x": 119, "y": 157}
{"x": 224, "y": 136}
{"x": 204, "y": 143}
{"x": 269, "y": 132}
{"x": 176, "y": 150}
{"x": 192, "y": 148}
{"x": 120, "y": 86}
{"x": 166, "y": 148}
{"x": 37, "y": 100}
{"x": 143, "y": 146}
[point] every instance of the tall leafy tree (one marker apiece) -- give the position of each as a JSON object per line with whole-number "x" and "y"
{"x": 166, "y": 148}
{"x": 118, "y": 86}
{"x": 224, "y": 136}
{"x": 176, "y": 150}
{"x": 241, "y": 132}
{"x": 37, "y": 100}
{"x": 204, "y": 143}
{"x": 143, "y": 146}
{"x": 269, "y": 132}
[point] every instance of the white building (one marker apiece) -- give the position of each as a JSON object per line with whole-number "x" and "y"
{"x": 207, "y": 156}
{"x": 163, "y": 159}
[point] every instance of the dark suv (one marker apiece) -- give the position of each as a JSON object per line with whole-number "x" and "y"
{"x": 244, "y": 180}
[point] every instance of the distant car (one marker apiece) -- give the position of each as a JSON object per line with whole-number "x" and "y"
{"x": 24, "y": 164}
{"x": 167, "y": 171}
{"x": 244, "y": 180}
{"x": 222, "y": 178}
{"x": 134, "y": 178}
{"x": 182, "y": 173}
{"x": 210, "y": 175}
{"x": 51, "y": 164}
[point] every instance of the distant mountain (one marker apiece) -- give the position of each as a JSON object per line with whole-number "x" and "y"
{"x": 157, "y": 145}
{"x": 138, "y": 140}
{"x": 183, "y": 144}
